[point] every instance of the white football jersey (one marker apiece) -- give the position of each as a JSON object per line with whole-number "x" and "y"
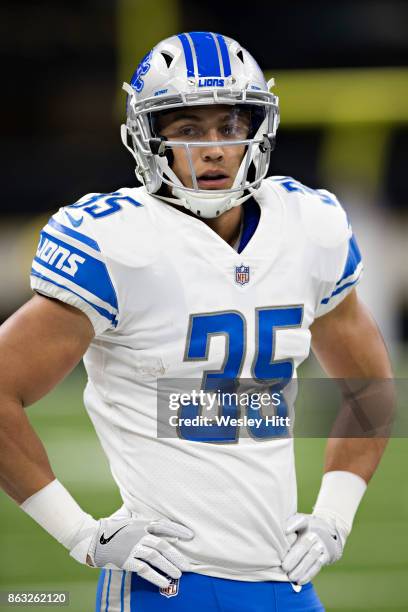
{"x": 168, "y": 298}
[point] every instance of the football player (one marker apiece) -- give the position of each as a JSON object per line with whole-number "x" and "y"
{"x": 208, "y": 271}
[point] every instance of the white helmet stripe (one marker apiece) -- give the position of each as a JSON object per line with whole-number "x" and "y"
{"x": 188, "y": 55}
{"x": 224, "y": 54}
{"x": 221, "y": 63}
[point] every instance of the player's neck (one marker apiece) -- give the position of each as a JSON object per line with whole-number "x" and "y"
{"x": 228, "y": 225}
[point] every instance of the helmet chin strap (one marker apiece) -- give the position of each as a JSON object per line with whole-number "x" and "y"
{"x": 207, "y": 204}
{"x": 212, "y": 208}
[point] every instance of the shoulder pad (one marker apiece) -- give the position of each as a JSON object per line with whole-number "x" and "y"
{"x": 325, "y": 224}
{"x": 117, "y": 222}
{"x": 322, "y": 216}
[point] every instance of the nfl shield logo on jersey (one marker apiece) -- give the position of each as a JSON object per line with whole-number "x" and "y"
{"x": 172, "y": 589}
{"x": 242, "y": 274}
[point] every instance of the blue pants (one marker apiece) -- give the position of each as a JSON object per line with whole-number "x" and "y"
{"x": 120, "y": 591}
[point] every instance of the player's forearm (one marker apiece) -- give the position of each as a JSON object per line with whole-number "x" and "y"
{"x": 360, "y": 456}
{"x": 24, "y": 465}
{"x": 39, "y": 345}
{"x": 350, "y": 348}
{"x": 361, "y": 430}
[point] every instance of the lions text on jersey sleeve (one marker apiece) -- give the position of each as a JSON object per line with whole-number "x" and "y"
{"x": 169, "y": 298}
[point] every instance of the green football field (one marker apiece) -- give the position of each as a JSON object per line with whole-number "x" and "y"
{"x": 371, "y": 577}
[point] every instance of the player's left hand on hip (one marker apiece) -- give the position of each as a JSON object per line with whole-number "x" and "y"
{"x": 319, "y": 541}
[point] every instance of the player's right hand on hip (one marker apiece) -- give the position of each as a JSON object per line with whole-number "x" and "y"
{"x": 140, "y": 546}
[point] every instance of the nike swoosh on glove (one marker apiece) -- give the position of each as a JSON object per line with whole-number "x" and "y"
{"x": 319, "y": 541}
{"x": 140, "y": 546}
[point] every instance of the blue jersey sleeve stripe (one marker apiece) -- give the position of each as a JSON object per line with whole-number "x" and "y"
{"x": 70, "y": 232}
{"x": 353, "y": 259}
{"x": 206, "y": 51}
{"x": 187, "y": 55}
{"x": 102, "y": 311}
{"x": 339, "y": 290}
{"x": 224, "y": 54}
{"x": 85, "y": 271}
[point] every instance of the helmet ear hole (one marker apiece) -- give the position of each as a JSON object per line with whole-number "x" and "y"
{"x": 240, "y": 55}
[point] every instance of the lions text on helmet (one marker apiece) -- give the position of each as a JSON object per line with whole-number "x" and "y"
{"x": 200, "y": 76}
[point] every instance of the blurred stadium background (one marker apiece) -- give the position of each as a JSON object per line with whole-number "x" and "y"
{"x": 341, "y": 73}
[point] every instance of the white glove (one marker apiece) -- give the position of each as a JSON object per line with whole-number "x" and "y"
{"x": 319, "y": 541}
{"x": 137, "y": 545}
{"x": 116, "y": 542}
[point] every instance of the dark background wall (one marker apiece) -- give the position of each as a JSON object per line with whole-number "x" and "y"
{"x": 60, "y": 101}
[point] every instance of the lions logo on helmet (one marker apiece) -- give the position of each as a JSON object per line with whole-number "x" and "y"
{"x": 137, "y": 82}
{"x": 196, "y": 69}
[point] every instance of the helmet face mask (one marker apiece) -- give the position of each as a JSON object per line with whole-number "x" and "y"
{"x": 175, "y": 75}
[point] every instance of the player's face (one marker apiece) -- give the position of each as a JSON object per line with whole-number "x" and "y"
{"x": 215, "y": 166}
